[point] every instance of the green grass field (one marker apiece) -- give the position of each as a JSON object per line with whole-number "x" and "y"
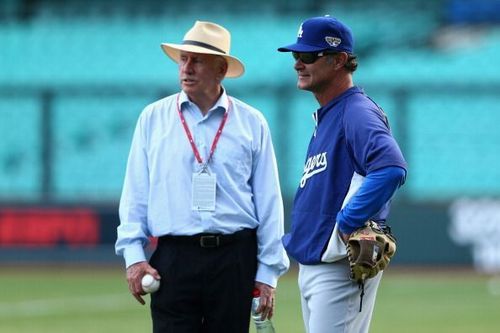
{"x": 94, "y": 299}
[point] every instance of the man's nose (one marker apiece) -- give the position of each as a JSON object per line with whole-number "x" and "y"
{"x": 298, "y": 64}
{"x": 187, "y": 66}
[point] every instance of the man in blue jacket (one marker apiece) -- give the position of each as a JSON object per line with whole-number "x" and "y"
{"x": 352, "y": 170}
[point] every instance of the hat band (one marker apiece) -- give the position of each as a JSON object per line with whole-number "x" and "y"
{"x": 205, "y": 45}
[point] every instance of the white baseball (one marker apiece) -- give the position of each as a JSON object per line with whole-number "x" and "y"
{"x": 149, "y": 283}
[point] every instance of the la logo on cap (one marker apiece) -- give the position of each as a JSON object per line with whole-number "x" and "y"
{"x": 300, "y": 32}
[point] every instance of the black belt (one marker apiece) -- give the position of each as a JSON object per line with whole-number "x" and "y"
{"x": 207, "y": 240}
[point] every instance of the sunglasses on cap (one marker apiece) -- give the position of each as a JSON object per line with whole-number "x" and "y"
{"x": 309, "y": 57}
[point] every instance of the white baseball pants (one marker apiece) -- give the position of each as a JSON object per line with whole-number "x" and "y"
{"x": 331, "y": 301}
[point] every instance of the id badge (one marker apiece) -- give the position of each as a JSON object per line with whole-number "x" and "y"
{"x": 204, "y": 185}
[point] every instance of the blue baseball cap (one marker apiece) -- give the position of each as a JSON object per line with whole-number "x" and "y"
{"x": 322, "y": 34}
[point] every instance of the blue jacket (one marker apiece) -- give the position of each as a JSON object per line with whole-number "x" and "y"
{"x": 351, "y": 151}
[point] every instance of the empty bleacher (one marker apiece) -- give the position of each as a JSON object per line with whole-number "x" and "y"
{"x": 20, "y": 157}
{"x": 410, "y": 61}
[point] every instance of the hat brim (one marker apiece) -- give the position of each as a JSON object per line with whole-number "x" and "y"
{"x": 300, "y": 48}
{"x": 235, "y": 67}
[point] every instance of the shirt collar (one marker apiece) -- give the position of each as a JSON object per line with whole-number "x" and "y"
{"x": 320, "y": 113}
{"x": 221, "y": 103}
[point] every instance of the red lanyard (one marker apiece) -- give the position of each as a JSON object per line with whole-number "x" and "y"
{"x": 190, "y": 136}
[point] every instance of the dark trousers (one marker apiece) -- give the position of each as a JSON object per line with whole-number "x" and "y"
{"x": 206, "y": 283}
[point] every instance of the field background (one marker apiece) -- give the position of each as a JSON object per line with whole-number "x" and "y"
{"x": 95, "y": 299}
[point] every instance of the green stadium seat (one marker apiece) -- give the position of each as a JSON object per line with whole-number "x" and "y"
{"x": 20, "y": 149}
{"x": 442, "y": 131}
{"x": 93, "y": 137}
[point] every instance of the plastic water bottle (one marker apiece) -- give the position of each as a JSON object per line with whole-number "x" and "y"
{"x": 261, "y": 326}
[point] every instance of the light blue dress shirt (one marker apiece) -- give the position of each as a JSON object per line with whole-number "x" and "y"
{"x": 157, "y": 193}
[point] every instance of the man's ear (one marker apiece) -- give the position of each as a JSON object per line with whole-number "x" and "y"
{"x": 340, "y": 59}
{"x": 223, "y": 66}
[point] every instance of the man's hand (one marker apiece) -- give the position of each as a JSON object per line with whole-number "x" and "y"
{"x": 266, "y": 307}
{"x": 135, "y": 273}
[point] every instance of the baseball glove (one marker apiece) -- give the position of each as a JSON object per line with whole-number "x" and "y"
{"x": 369, "y": 249}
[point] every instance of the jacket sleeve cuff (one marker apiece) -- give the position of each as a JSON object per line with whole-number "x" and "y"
{"x": 346, "y": 228}
{"x": 267, "y": 275}
{"x": 133, "y": 254}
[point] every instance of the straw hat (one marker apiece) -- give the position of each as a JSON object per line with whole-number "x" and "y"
{"x": 207, "y": 38}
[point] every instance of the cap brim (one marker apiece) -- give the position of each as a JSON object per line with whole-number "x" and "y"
{"x": 235, "y": 67}
{"x": 300, "y": 48}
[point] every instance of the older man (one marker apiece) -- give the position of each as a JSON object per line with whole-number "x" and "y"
{"x": 202, "y": 177}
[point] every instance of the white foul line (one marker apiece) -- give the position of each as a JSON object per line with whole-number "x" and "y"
{"x": 84, "y": 304}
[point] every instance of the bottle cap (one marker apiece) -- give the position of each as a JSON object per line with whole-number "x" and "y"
{"x": 256, "y": 292}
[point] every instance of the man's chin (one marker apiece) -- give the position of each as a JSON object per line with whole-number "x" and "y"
{"x": 302, "y": 85}
{"x": 187, "y": 86}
